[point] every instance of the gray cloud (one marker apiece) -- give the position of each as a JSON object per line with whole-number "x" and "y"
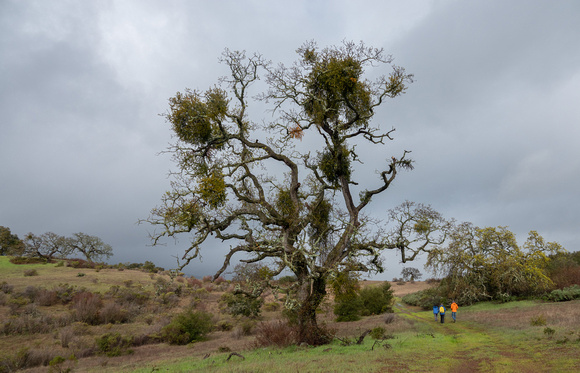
{"x": 492, "y": 118}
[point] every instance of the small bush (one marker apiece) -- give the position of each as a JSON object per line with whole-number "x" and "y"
{"x": 566, "y": 294}
{"x": 378, "y": 299}
{"x": 87, "y": 306}
{"x": 377, "y": 333}
{"x": 186, "y": 327}
{"x": 60, "y": 364}
{"x": 31, "y": 292}
{"x": 65, "y": 292}
{"x": 347, "y": 303}
{"x": 130, "y": 296}
{"x": 6, "y": 288}
{"x": 549, "y": 331}
{"x": 113, "y": 313}
{"x": 539, "y": 320}
{"x": 113, "y": 344}
{"x": 27, "y": 260}
{"x": 348, "y": 309}
{"x": 389, "y": 318}
{"x": 46, "y": 297}
{"x": 194, "y": 283}
{"x": 224, "y": 325}
{"x": 242, "y": 305}
{"x": 66, "y": 335}
{"x": 424, "y": 298}
{"x": 276, "y": 333}
{"x": 31, "y": 272}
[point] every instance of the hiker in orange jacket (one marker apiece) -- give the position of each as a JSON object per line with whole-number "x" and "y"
{"x": 454, "y": 308}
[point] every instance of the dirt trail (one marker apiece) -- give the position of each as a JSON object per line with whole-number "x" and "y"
{"x": 493, "y": 352}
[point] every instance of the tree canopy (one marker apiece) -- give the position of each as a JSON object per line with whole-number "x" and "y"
{"x": 284, "y": 188}
{"x": 10, "y": 244}
{"x": 50, "y": 245}
{"x": 487, "y": 263}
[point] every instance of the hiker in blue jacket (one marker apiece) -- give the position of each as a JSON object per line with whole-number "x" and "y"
{"x": 435, "y": 311}
{"x": 442, "y": 313}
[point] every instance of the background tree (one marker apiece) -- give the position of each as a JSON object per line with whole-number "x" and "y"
{"x": 47, "y": 246}
{"x": 411, "y": 274}
{"x": 487, "y": 263}
{"x": 10, "y": 244}
{"x": 92, "y": 247}
{"x": 299, "y": 206}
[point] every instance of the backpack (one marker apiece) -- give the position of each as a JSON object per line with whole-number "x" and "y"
{"x": 442, "y": 309}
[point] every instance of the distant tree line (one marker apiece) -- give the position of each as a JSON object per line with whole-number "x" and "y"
{"x": 49, "y": 246}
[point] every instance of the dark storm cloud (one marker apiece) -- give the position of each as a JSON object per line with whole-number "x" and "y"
{"x": 492, "y": 118}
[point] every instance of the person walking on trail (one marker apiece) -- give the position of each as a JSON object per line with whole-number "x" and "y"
{"x": 442, "y": 313}
{"x": 436, "y": 312}
{"x": 454, "y": 308}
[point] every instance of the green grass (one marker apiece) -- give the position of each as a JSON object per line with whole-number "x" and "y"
{"x": 424, "y": 345}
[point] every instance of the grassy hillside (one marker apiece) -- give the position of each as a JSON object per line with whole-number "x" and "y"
{"x": 526, "y": 336}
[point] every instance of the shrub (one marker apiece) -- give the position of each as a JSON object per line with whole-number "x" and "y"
{"x": 378, "y": 332}
{"x": 347, "y": 303}
{"x": 389, "y": 318}
{"x": 66, "y": 335}
{"x": 113, "y": 344}
{"x": 220, "y": 280}
{"x": 46, "y": 297}
{"x": 224, "y": 325}
{"x": 276, "y": 333}
{"x": 87, "y": 306}
{"x": 539, "y": 320}
{"x": 31, "y": 292}
{"x": 16, "y": 303}
{"x": 549, "y": 331}
{"x": 188, "y": 326}
{"x": 130, "y": 296}
{"x": 168, "y": 299}
{"x": 80, "y": 263}
{"x": 192, "y": 282}
{"x": 65, "y": 292}
{"x": 566, "y": 294}
{"x": 243, "y": 305}
{"x": 377, "y": 299}
{"x": 113, "y": 313}
{"x": 31, "y": 272}
{"x": 6, "y": 288}
{"x": 27, "y": 260}
{"x": 60, "y": 364}
{"x": 566, "y": 276}
{"x": 26, "y": 324}
{"x": 348, "y": 309}
{"x": 424, "y": 298}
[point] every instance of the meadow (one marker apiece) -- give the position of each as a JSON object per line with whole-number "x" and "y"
{"x": 43, "y": 335}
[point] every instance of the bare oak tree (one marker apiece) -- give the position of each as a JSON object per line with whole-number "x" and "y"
{"x": 285, "y": 190}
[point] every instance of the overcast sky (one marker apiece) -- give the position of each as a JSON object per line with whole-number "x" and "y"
{"x": 492, "y": 119}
